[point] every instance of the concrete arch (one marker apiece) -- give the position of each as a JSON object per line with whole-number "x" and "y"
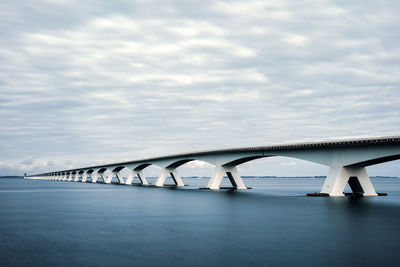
{"x": 239, "y": 161}
{"x": 180, "y": 162}
{"x": 100, "y": 173}
{"x": 78, "y": 175}
{"x": 118, "y": 169}
{"x": 376, "y": 161}
{"x": 102, "y": 170}
{"x": 143, "y": 166}
{"x": 115, "y": 172}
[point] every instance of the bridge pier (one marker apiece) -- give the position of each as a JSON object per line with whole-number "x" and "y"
{"x": 339, "y": 176}
{"x": 94, "y": 175}
{"x": 103, "y": 176}
{"x": 84, "y": 177}
{"x": 139, "y": 174}
{"x": 233, "y": 175}
{"x": 111, "y": 176}
{"x": 174, "y": 174}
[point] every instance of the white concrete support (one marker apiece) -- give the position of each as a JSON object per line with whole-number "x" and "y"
{"x": 94, "y": 175}
{"x": 233, "y": 175}
{"x": 130, "y": 177}
{"x": 109, "y": 178}
{"x": 103, "y": 176}
{"x": 112, "y": 175}
{"x": 70, "y": 177}
{"x": 139, "y": 174}
{"x": 76, "y": 179}
{"x": 120, "y": 178}
{"x": 174, "y": 174}
{"x": 84, "y": 177}
{"x": 339, "y": 176}
{"x": 142, "y": 177}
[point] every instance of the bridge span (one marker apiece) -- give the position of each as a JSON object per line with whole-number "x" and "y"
{"x": 347, "y": 161}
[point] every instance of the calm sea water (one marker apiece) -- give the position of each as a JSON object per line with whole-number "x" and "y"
{"x": 49, "y": 223}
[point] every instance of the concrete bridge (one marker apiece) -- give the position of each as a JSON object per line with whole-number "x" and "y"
{"x": 346, "y": 160}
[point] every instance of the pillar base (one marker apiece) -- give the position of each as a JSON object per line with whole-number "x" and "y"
{"x": 356, "y": 177}
{"x": 233, "y": 176}
{"x": 315, "y": 194}
{"x": 224, "y": 187}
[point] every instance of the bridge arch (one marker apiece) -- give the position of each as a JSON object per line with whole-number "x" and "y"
{"x": 376, "y": 161}
{"x": 78, "y": 175}
{"x": 179, "y": 163}
{"x": 101, "y": 173}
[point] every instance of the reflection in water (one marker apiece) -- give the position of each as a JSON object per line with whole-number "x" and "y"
{"x": 66, "y": 224}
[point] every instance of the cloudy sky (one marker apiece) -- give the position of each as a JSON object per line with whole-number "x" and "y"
{"x": 87, "y": 82}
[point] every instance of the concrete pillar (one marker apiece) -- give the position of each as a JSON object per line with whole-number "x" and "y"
{"x": 94, "y": 175}
{"x": 130, "y": 177}
{"x": 84, "y": 177}
{"x": 112, "y": 175}
{"x": 174, "y": 174}
{"x": 120, "y": 178}
{"x": 103, "y": 176}
{"x": 109, "y": 178}
{"x": 233, "y": 175}
{"x": 339, "y": 176}
{"x": 142, "y": 177}
{"x": 139, "y": 174}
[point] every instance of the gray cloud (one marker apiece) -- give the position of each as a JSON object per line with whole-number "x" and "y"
{"x": 87, "y": 82}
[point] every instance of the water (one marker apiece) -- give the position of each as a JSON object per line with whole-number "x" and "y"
{"x": 49, "y": 223}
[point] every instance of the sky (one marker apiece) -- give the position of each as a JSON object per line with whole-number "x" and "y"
{"x": 92, "y": 82}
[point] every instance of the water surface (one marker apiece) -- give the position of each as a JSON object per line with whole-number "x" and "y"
{"x": 50, "y": 223}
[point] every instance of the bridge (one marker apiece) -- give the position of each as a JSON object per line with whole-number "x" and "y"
{"x": 347, "y": 161}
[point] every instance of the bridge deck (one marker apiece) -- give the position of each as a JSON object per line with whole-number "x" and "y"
{"x": 281, "y": 147}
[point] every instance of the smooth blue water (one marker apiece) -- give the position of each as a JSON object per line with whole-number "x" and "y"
{"x": 50, "y": 223}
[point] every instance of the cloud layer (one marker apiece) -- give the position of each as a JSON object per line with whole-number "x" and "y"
{"x": 85, "y": 82}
